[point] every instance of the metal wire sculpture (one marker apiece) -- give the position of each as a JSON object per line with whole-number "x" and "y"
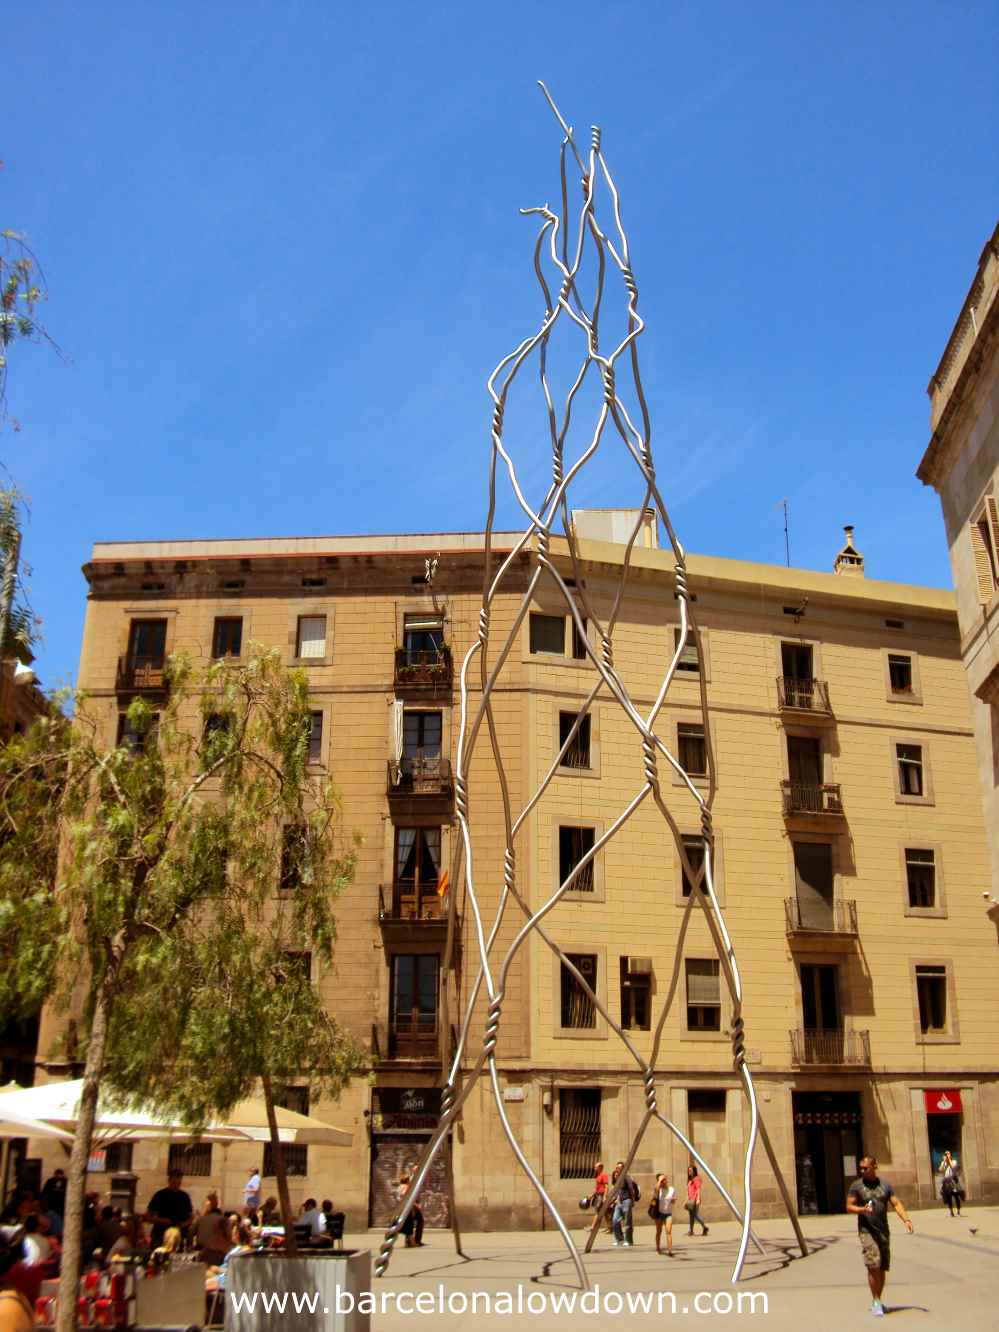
{"x": 566, "y": 243}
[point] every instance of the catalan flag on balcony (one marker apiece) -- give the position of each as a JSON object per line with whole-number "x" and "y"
{"x": 443, "y": 883}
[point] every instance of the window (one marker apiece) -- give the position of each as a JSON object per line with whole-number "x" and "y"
{"x": 910, "y": 769}
{"x": 689, "y": 658}
{"x": 310, "y": 640}
{"x": 900, "y": 672}
{"x": 692, "y": 751}
{"x": 579, "y": 1012}
{"x": 694, "y": 847}
{"x": 578, "y": 1131}
{"x": 147, "y": 644}
{"x": 931, "y": 992}
{"x": 548, "y": 634}
{"x": 796, "y": 661}
{"x": 296, "y": 966}
{"x": 813, "y": 885}
{"x": 423, "y": 636}
{"x": 921, "y": 877}
{"x": 703, "y": 994}
{"x": 578, "y": 753}
{"x": 636, "y": 993}
{"x": 294, "y": 859}
{"x": 227, "y": 638}
{"x": 296, "y": 1159}
{"x": 190, "y": 1158}
{"x": 315, "y": 737}
{"x": 118, "y": 1156}
{"x": 573, "y": 845}
{"x": 417, "y": 873}
{"x": 578, "y": 640}
{"x": 217, "y": 723}
{"x": 133, "y": 737}
{"x": 422, "y": 734}
{"x": 804, "y": 760}
{"x": 985, "y": 549}
{"x": 414, "y": 1001}
{"x": 294, "y": 1098}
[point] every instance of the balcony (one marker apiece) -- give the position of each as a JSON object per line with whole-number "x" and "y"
{"x": 403, "y": 914}
{"x": 407, "y": 1036}
{"x": 812, "y": 800}
{"x": 804, "y": 696}
{"x": 138, "y": 674}
{"x": 423, "y": 671}
{"x": 826, "y": 920}
{"x": 419, "y": 783}
{"x": 830, "y": 1049}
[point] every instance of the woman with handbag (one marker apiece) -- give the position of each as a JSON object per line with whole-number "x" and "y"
{"x": 693, "y": 1203}
{"x": 661, "y": 1211}
{"x": 950, "y": 1185}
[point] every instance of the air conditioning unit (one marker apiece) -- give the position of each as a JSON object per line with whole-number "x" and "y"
{"x": 639, "y": 966}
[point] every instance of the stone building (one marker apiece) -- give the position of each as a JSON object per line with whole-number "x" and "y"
{"x": 850, "y": 846}
{"x": 961, "y": 463}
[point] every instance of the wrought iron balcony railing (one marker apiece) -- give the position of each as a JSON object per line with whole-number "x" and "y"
{"x": 797, "y": 695}
{"x": 135, "y": 672}
{"x": 423, "y": 670}
{"x": 831, "y": 1048}
{"x": 820, "y": 798}
{"x": 837, "y": 917}
{"x": 406, "y": 904}
{"x": 420, "y": 775}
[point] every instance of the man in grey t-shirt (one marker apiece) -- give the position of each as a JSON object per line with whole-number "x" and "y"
{"x": 868, "y": 1201}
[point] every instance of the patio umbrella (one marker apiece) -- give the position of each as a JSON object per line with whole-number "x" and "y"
{"x": 57, "y": 1104}
{"x": 14, "y": 1125}
{"x": 249, "y": 1117}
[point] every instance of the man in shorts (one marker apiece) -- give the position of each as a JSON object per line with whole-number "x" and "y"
{"x": 868, "y": 1200}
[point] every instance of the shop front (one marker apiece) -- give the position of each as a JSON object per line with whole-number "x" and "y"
{"x": 402, "y": 1122}
{"x": 944, "y": 1126}
{"x": 827, "y": 1147}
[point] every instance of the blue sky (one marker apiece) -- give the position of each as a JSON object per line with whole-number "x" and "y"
{"x": 284, "y": 252}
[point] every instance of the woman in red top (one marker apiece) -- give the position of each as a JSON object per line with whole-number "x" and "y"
{"x": 693, "y": 1202}
{"x": 600, "y": 1187}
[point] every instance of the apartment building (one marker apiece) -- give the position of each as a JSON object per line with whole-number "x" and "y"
{"x": 961, "y": 463}
{"x": 850, "y": 847}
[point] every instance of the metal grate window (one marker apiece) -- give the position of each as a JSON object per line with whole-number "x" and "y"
{"x": 573, "y": 845}
{"x": 190, "y": 1158}
{"x": 579, "y": 1132}
{"x": 578, "y": 1009}
{"x": 296, "y": 1159}
{"x": 578, "y": 753}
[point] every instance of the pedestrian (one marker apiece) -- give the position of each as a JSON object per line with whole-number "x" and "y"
{"x": 693, "y": 1203}
{"x": 601, "y": 1183}
{"x": 168, "y": 1207}
{"x": 950, "y": 1185}
{"x": 251, "y": 1191}
{"x": 868, "y": 1201}
{"x": 661, "y": 1211}
{"x": 625, "y": 1193}
{"x": 412, "y": 1227}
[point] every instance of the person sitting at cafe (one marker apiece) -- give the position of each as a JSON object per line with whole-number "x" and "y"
{"x": 108, "y": 1230}
{"x": 19, "y": 1287}
{"x": 211, "y": 1232}
{"x": 312, "y": 1217}
{"x": 242, "y": 1242}
{"x": 127, "y": 1243}
{"x": 172, "y": 1242}
{"x": 270, "y": 1213}
{"x": 35, "y": 1244}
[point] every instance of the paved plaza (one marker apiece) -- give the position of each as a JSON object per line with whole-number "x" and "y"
{"x": 944, "y": 1275}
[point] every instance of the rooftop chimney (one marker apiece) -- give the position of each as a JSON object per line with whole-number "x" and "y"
{"x": 849, "y": 560}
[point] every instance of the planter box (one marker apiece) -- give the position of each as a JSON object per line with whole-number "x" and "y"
{"x": 175, "y": 1298}
{"x": 319, "y": 1277}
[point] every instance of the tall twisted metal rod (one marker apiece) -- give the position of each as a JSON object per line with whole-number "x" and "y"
{"x": 564, "y": 241}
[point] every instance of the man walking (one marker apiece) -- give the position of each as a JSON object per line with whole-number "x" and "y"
{"x": 868, "y": 1200}
{"x": 626, "y": 1192}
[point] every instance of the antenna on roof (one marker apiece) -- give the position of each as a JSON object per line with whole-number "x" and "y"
{"x": 787, "y": 537}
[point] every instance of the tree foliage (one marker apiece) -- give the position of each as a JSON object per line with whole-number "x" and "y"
{"x": 22, "y": 292}
{"x": 174, "y": 910}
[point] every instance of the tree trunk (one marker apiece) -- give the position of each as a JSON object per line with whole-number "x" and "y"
{"x": 72, "y": 1236}
{"x": 280, "y": 1174}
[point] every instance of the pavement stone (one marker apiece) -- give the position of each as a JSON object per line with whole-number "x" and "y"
{"x": 945, "y": 1275}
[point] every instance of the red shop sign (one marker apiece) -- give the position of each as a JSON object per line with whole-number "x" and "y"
{"x": 943, "y": 1102}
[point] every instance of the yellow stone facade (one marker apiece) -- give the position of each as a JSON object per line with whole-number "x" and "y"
{"x": 861, "y": 1086}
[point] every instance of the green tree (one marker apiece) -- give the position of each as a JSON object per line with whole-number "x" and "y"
{"x": 18, "y": 629}
{"x": 167, "y": 842}
{"x": 22, "y": 292}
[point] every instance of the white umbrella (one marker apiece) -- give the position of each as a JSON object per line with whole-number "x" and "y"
{"x": 57, "y": 1104}
{"x": 13, "y": 1125}
{"x": 250, "y": 1118}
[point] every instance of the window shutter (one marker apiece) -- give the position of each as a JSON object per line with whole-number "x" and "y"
{"x": 702, "y": 981}
{"x": 312, "y": 636}
{"x": 992, "y": 512}
{"x": 983, "y": 562}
